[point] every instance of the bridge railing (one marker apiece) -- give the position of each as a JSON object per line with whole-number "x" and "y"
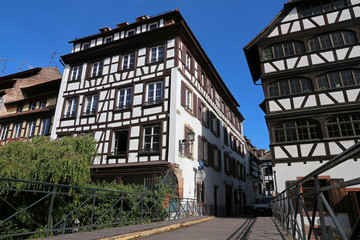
{"x": 40, "y": 209}
{"x": 290, "y": 210}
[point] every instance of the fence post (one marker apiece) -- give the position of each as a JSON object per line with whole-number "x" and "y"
{"x": 321, "y": 208}
{"x": 50, "y": 211}
{"x": 299, "y": 199}
{"x": 93, "y": 211}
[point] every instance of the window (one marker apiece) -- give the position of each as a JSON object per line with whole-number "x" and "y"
{"x": 309, "y": 186}
{"x": 16, "y": 130}
{"x": 91, "y": 104}
{"x": 292, "y": 86}
{"x": 226, "y": 136}
{"x": 128, "y": 61}
{"x": 76, "y": 73}
{"x": 151, "y": 138}
{"x": 227, "y": 163}
{"x": 202, "y": 79}
{"x": 204, "y": 114}
{"x": 188, "y": 99}
{"x": 215, "y": 125}
{"x": 343, "y": 78}
{"x": 154, "y": 93}
{"x": 344, "y": 126}
{"x": 30, "y": 129}
{"x": 4, "y": 132}
{"x": 125, "y": 97}
{"x": 19, "y": 108}
{"x": 70, "y": 109}
{"x": 296, "y": 131}
{"x": 285, "y": 49}
{"x": 120, "y": 142}
{"x": 188, "y": 148}
{"x": 156, "y": 54}
{"x": 188, "y": 61}
{"x": 32, "y": 106}
{"x": 204, "y": 148}
{"x": 334, "y": 39}
{"x": 86, "y": 45}
{"x": 321, "y": 7}
{"x": 216, "y": 158}
{"x": 130, "y": 33}
{"x": 97, "y": 69}
{"x": 43, "y": 103}
{"x": 108, "y": 39}
{"x": 153, "y": 26}
{"x": 45, "y": 126}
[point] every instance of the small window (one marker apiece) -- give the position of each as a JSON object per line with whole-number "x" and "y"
{"x": 91, "y": 104}
{"x": 204, "y": 151}
{"x": 330, "y": 40}
{"x": 157, "y": 54}
{"x": 285, "y": 49}
{"x": 344, "y": 126}
{"x": 70, "y": 108}
{"x": 120, "y": 142}
{"x": 125, "y": 97}
{"x": 4, "y": 132}
{"x": 188, "y": 61}
{"x": 202, "y": 79}
{"x": 30, "y": 129}
{"x": 204, "y": 114}
{"x": 76, "y": 73}
{"x": 86, "y": 45}
{"x": 45, "y": 127}
{"x": 153, "y": 26}
{"x": 151, "y": 138}
{"x": 292, "y": 86}
{"x": 97, "y": 69}
{"x": 188, "y": 99}
{"x": 19, "y": 108}
{"x": 130, "y": 33}
{"x": 108, "y": 39}
{"x": 32, "y": 106}
{"x": 43, "y": 103}
{"x": 188, "y": 148}
{"x": 320, "y": 7}
{"x": 16, "y": 130}
{"x": 128, "y": 61}
{"x": 216, "y": 158}
{"x": 343, "y": 78}
{"x": 226, "y": 136}
{"x": 154, "y": 93}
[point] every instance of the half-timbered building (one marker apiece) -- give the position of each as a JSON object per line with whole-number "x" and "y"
{"x": 27, "y": 103}
{"x": 152, "y": 99}
{"x": 308, "y": 61}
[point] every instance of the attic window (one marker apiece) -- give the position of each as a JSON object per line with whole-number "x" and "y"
{"x": 86, "y": 45}
{"x": 153, "y": 26}
{"x": 108, "y": 39}
{"x": 130, "y": 33}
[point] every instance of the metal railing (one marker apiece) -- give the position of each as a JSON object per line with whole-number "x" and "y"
{"x": 290, "y": 209}
{"x": 39, "y": 209}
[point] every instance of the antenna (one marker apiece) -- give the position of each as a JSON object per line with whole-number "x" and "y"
{"x": 52, "y": 57}
{"x": 22, "y": 65}
{"x": 3, "y": 67}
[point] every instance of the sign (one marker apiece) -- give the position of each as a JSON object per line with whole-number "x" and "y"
{"x": 200, "y": 175}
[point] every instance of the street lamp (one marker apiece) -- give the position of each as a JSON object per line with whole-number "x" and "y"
{"x": 275, "y": 182}
{"x": 184, "y": 143}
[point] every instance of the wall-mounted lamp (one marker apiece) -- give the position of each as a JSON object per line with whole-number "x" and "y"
{"x": 184, "y": 143}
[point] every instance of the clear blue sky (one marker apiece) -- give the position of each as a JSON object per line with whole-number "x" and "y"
{"x": 32, "y": 30}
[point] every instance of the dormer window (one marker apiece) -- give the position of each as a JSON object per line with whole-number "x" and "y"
{"x": 153, "y": 26}
{"x": 19, "y": 108}
{"x": 32, "y": 106}
{"x": 108, "y": 39}
{"x": 130, "y": 33}
{"x": 86, "y": 45}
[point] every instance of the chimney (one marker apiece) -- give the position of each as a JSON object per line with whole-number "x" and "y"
{"x": 142, "y": 18}
{"x": 123, "y": 24}
{"x": 105, "y": 29}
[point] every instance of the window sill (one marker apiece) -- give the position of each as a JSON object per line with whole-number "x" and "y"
{"x": 67, "y": 118}
{"x": 88, "y": 115}
{"x": 147, "y": 152}
{"x": 74, "y": 81}
{"x": 117, "y": 156}
{"x": 122, "y": 109}
{"x": 152, "y": 104}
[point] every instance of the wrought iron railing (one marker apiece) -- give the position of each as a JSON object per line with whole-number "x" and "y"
{"x": 39, "y": 209}
{"x": 290, "y": 210}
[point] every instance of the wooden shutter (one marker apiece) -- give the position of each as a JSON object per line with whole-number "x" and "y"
{"x": 210, "y": 155}
{"x": 220, "y": 159}
{"x": 200, "y": 156}
{"x": 183, "y": 54}
{"x": 218, "y": 127}
{"x": 338, "y": 197}
{"x": 194, "y": 104}
{"x": 199, "y": 109}
{"x": 210, "y": 120}
{"x": 183, "y": 89}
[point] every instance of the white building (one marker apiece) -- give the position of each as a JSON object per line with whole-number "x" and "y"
{"x": 143, "y": 90}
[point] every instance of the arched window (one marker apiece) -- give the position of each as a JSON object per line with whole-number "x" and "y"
{"x": 344, "y": 126}
{"x": 292, "y": 86}
{"x": 320, "y": 7}
{"x": 298, "y": 130}
{"x": 284, "y": 50}
{"x": 334, "y": 39}
{"x": 343, "y": 78}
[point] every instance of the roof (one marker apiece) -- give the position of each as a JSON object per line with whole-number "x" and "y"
{"x": 22, "y": 74}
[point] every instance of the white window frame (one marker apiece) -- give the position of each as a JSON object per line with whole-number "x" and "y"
{"x": 4, "y": 132}
{"x": 151, "y": 137}
{"x": 124, "y": 98}
{"x": 45, "y": 122}
{"x": 91, "y": 102}
{"x": 130, "y": 32}
{"x": 188, "y": 61}
{"x": 76, "y": 73}
{"x": 152, "y": 96}
{"x": 216, "y": 157}
{"x": 106, "y": 39}
{"x": 32, "y": 106}
{"x": 128, "y": 61}
{"x": 154, "y": 54}
{"x": 87, "y": 44}
{"x": 97, "y": 68}
{"x": 16, "y": 130}
{"x": 153, "y": 24}
{"x": 30, "y": 129}
{"x": 43, "y": 103}
{"x": 188, "y": 99}
{"x": 204, "y": 150}
{"x": 71, "y": 107}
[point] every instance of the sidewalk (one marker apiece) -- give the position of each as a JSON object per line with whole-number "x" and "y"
{"x": 130, "y": 232}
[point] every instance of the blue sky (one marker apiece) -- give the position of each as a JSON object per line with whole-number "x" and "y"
{"x": 31, "y": 31}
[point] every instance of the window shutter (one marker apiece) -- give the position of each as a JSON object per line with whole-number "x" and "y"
{"x": 199, "y": 109}
{"x": 183, "y": 54}
{"x": 210, "y": 120}
{"x": 194, "y": 104}
{"x": 220, "y": 159}
{"x": 200, "y": 157}
{"x": 218, "y": 127}
{"x": 242, "y": 150}
{"x": 183, "y": 94}
{"x": 210, "y": 154}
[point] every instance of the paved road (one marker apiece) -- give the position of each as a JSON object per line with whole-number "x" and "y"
{"x": 226, "y": 228}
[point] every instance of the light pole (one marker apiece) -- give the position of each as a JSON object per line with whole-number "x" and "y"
{"x": 275, "y": 182}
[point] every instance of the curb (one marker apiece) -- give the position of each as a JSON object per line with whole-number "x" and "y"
{"x": 153, "y": 231}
